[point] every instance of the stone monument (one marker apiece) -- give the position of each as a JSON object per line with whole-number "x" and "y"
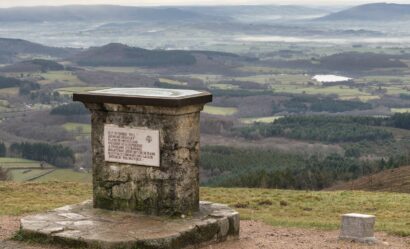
{"x": 145, "y": 145}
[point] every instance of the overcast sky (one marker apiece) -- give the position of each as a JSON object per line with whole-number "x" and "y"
{"x": 11, "y": 3}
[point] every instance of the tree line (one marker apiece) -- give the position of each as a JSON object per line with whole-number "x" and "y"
{"x": 70, "y": 109}
{"x": 247, "y": 167}
{"x": 3, "y": 150}
{"x": 319, "y": 128}
{"x": 25, "y": 87}
{"x": 57, "y": 155}
{"x": 307, "y": 103}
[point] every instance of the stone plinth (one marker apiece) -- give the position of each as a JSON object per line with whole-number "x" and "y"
{"x": 145, "y": 149}
{"x": 145, "y": 145}
{"x": 358, "y": 227}
{"x": 86, "y": 227}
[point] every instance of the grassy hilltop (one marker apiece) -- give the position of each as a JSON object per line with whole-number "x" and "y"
{"x": 284, "y": 208}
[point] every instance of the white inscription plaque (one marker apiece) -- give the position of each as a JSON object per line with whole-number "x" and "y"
{"x": 131, "y": 145}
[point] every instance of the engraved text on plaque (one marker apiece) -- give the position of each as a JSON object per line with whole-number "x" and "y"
{"x": 131, "y": 145}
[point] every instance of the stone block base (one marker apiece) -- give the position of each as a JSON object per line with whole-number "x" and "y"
{"x": 83, "y": 226}
{"x": 358, "y": 227}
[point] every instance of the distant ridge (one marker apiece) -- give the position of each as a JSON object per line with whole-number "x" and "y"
{"x": 389, "y": 180}
{"x": 372, "y": 12}
{"x": 99, "y": 13}
{"x": 117, "y": 54}
{"x": 9, "y": 48}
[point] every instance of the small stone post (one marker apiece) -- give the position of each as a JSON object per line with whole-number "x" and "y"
{"x": 358, "y": 227}
{"x": 145, "y": 145}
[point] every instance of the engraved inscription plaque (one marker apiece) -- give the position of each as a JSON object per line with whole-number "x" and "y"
{"x": 131, "y": 145}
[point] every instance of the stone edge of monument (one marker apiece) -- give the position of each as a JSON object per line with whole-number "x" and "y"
{"x": 349, "y": 237}
{"x": 75, "y": 226}
{"x": 202, "y": 97}
{"x": 367, "y": 240}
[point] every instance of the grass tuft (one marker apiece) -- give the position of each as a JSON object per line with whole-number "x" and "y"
{"x": 284, "y": 208}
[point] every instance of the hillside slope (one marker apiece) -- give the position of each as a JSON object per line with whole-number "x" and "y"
{"x": 371, "y": 12}
{"x": 11, "y": 48}
{"x": 390, "y": 180}
{"x": 116, "y": 54}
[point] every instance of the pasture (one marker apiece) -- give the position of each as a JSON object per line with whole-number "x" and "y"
{"x": 23, "y": 170}
{"x": 281, "y": 208}
{"x": 400, "y": 110}
{"x": 59, "y": 76}
{"x": 218, "y": 110}
{"x": 173, "y": 82}
{"x": 260, "y": 119}
{"x": 77, "y": 128}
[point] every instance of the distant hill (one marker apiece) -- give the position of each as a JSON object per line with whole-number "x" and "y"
{"x": 11, "y": 48}
{"x": 353, "y": 61}
{"x": 116, "y": 54}
{"x": 36, "y": 65}
{"x": 260, "y": 12}
{"x": 371, "y": 12}
{"x": 390, "y": 180}
{"x": 99, "y": 13}
{"x": 345, "y": 62}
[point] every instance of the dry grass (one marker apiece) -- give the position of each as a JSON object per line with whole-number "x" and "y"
{"x": 218, "y": 110}
{"x": 315, "y": 209}
{"x": 284, "y": 208}
{"x": 23, "y": 198}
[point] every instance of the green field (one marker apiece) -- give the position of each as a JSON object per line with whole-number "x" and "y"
{"x": 223, "y": 86}
{"x": 270, "y": 70}
{"x": 260, "y": 119}
{"x": 11, "y": 91}
{"x": 396, "y": 89}
{"x": 341, "y": 91}
{"x": 118, "y": 69}
{"x": 363, "y": 98}
{"x": 60, "y": 76}
{"x": 322, "y": 210}
{"x": 284, "y": 208}
{"x": 77, "y": 128}
{"x": 20, "y": 175}
{"x": 9, "y": 163}
{"x": 4, "y": 103}
{"x": 285, "y": 79}
{"x": 218, "y": 110}
{"x": 22, "y": 170}
{"x": 173, "y": 82}
{"x": 400, "y": 110}
{"x": 23, "y": 198}
{"x": 66, "y": 175}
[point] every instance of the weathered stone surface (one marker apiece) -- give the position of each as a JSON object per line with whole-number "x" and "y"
{"x": 83, "y": 225}
{"x": 172, "y": 188}
{"x": 358, "y": 227}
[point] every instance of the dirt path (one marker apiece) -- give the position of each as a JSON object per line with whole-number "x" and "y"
{"x": 254, "y": 235}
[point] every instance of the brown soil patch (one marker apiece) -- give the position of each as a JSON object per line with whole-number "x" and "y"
{"x": 8, "y": 226}
{"x": 257, "y": 235}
